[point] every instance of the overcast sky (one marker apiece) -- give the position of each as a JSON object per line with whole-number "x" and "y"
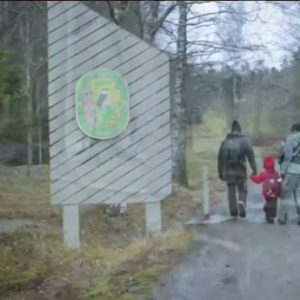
{"x": 264, "y": 29}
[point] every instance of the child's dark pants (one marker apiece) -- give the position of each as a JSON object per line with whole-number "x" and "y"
{"x": 270, "y": 209}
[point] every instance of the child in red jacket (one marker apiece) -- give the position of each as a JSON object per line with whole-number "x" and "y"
{"x": 271, "y": 188}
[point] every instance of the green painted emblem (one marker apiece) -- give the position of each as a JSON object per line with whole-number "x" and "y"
{"x": 102, "y": 104}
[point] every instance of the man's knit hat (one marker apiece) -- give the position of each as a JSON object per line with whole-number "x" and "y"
{"x": 236, "y": 126}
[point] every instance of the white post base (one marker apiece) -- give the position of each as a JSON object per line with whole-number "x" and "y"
{"x": 123, "y": 208}
{"x": 153, "y": 217}
{"x": 71, "y": 226}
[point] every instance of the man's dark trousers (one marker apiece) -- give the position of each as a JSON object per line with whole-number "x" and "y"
{"x": 241, "y": 189}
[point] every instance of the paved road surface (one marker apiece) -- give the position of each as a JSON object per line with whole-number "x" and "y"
{"x": 242, "y": 260}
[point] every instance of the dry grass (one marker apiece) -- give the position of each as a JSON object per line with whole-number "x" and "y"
{"x": 117, "y": 260}
{"x": 195, "y": 165}
{"x": 203, "y": 148}
{"x": 266, "y": 151}
{"x": 34, "y": 264}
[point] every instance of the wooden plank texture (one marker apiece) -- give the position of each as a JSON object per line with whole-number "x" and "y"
{"x": 134, "y": 167}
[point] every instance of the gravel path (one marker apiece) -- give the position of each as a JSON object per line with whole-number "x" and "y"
{"x": 242, "y": 260}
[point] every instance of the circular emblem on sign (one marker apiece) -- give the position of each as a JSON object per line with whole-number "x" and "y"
{"x": 102, "y": 104}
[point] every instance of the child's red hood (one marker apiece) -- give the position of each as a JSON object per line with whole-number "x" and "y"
{"x": 269, "y": 163}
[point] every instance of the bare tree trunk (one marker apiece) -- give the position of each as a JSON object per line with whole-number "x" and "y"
{"x": 148, "y": 25}
{"x": 29, "y": 133}
{"x": 6, "y": 102}
{"x": 39, "y": 123}
{"x": 231, "y": 31}
{"x": 236, "y": 99}
{"x": 178, "y": 116}
{"x": 259, "y": 104}
{"x": 28, "y": 85}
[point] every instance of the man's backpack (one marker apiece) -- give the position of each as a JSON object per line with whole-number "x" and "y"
{"x": 296, "y": 151}
{"x": 271, "y": 185}
{"x": 232, "y": 151}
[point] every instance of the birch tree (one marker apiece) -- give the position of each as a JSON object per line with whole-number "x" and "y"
{"x": 25, "y": 35}
{"x": 289, "y": 42}
{"x": 179, "y": 115}
{"x": 32, "y": 45}
{"x": 142, "y": 18}
{"x": 231, "y": 32}
{"x": 259, "y": 103}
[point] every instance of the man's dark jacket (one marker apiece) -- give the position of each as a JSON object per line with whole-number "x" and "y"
{"x": 237, "y": 173}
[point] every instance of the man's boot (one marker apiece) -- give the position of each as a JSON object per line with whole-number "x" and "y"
{"x": 242, "y": 209}
{"x": 234, "y": 216}
{"x": 233, "y": 209}
{"x": 298, "y": 211}
{"x": 283, "y": 220}
{"x": 242, "y": 190}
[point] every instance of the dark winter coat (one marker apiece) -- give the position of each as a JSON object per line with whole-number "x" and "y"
{"x": 238, "y": 173}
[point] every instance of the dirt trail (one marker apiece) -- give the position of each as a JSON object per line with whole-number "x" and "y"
{"x": 244, "y": 259}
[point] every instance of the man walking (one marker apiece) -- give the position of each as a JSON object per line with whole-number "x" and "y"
{"x": 290, "y": 172}
{"x": 233, "y": 170}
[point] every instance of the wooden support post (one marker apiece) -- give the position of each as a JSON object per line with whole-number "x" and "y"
{"x": 153, "y": 217}
{"x": 71, "y": 226}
